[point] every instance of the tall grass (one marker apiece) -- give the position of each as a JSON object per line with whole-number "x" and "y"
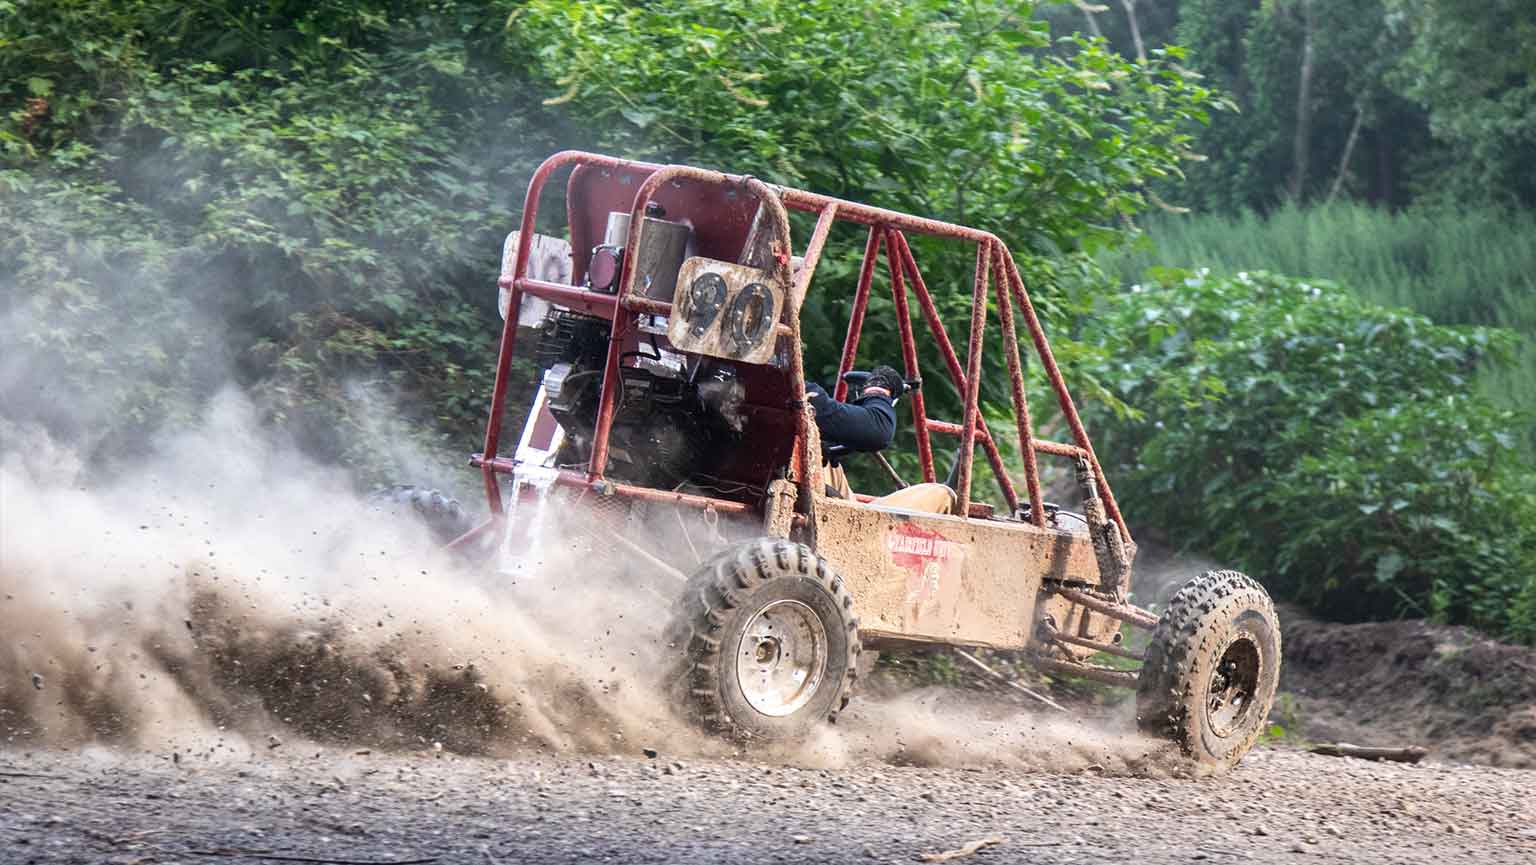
{"x": 1475, "y": 266}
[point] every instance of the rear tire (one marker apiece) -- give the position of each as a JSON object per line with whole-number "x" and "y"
{"x": 1212, "y": 668}
{"x": 770, "y": 646}
{"x": 442, "y": 515}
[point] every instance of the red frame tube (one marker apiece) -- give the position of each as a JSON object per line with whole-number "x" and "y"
{"x": 952, "y": 361}
{"x": 1020, "y": 403}
{"x": 909, "y": 358}
{"x": 1068, "y": 407}
{"x": 856, "y": 315}
{"x": 886, "y": 228}
{"x": 973, "y": 376}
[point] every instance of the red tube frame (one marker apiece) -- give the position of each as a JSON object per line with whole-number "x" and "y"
{"x": 994, "y": 266}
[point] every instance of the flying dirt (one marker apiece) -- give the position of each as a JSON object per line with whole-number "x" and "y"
{"x": 199, "y": 600}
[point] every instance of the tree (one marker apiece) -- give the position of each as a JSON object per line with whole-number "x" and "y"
{"x": 1471, "y": 64}
{"x": 1312, "y": 82}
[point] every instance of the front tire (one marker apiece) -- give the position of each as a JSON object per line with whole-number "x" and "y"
{"x": 1212, "y": 668}
{"x": 769, "y": 642}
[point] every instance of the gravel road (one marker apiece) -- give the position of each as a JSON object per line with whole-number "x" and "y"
{"x": 334, "y": 806}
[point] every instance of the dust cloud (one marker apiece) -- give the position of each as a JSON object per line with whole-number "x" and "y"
{"x": 229, "y": 594}
{"x": 229, "y": 598}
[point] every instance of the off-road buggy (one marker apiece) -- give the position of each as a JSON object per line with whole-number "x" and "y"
{"x": 670, "y": 427}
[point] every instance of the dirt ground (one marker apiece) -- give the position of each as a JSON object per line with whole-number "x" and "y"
{"x": 901, "y": 776}
{"x": 318, "y": 805}
{"x": 1466, "y": 697}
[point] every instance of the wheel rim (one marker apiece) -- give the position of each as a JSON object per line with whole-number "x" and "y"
{"x": 782, "y": 658}
{"x": 1233, "y": 688}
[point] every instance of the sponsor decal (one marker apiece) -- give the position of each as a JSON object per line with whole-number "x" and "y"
{"x": 933, "y": 563}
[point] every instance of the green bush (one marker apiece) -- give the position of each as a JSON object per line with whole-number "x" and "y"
{"x": 1331, "y": 447}
{"x": 970, "y": 114}
{"x": 1457, "y": 266}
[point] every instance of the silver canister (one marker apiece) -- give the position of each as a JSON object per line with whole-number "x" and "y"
{"x": 663, "y": 246}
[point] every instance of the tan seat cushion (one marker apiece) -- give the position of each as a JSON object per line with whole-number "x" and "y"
{"x": 927, "y": 498}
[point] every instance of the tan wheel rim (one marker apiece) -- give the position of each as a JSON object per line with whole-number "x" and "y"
{"x": 782, "y": 658}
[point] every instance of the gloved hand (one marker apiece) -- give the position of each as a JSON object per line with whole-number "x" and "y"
{"x": 887, "y": 379}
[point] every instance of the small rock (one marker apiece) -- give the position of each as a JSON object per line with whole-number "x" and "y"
{"x": 803, "y": 839}
{"x": 1260, "y": 829}
{"x": 673, "y": 768}
{"x": 649, "y": 752}
{"x": 37, "y": 681}
{"x": 274, "y": 742}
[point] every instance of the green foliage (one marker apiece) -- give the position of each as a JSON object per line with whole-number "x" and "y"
{"x": 303, "y": 199}
{"x": 307, "y": 199}
{"x": 1407, "y": 100}
{"x": 1471, "y": 64}
{"x": 958, "y": 113}
{"x": 1285, "y": 723}
{"x": 1256, "y": 50}
{"x": 1457, "y": 266}
{"x": 1329, "y": 446}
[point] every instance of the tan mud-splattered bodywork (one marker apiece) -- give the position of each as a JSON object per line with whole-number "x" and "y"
{"x": 945, "y": 579}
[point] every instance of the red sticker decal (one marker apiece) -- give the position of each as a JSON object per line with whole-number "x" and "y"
{"x": 933, "y": 562}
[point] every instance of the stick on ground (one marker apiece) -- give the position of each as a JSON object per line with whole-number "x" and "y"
{"x": 963, "y": 851}
{"x": 269, "y": 856}
{"x": 1409, "y": 754}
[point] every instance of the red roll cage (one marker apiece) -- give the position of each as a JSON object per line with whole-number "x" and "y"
{"x": 995, "y": 272}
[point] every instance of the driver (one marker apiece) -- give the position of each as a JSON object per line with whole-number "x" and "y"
{"x": 868, "y": 423}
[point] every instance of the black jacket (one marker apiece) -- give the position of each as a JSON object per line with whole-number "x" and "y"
{"x": 867, "y": 425}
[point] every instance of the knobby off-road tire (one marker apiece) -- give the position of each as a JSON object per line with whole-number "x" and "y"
{"x": 768, "y": 641}
{"x": 442, "y": 515}
{"x": 1212, "y": 668}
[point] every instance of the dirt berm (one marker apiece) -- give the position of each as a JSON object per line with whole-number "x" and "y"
{"x": 1464, "y": 696}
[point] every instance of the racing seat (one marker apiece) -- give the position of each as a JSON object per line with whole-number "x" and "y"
{"x": 934, "y": 498}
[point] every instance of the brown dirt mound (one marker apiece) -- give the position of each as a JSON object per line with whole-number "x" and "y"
{"x": 1466, "y": 697}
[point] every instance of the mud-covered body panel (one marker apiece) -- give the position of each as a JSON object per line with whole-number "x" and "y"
{"x": 939, "y": 578}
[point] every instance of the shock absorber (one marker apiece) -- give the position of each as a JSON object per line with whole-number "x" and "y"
{"x": 1108, "y": 546}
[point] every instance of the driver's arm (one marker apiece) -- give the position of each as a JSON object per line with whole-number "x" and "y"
{"x": 867, "y": 425}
